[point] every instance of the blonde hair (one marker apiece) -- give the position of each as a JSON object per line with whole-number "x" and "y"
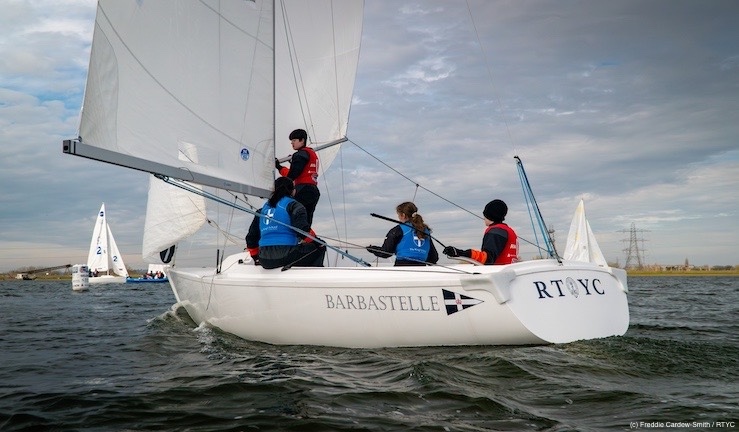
{"x": 409, "y": 210}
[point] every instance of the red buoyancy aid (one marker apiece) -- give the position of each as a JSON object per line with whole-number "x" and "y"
{"x": 509, "y": 254}
{"x": 310, "y": 173}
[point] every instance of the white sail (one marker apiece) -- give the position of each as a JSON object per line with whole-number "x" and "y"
{"x": 173, "y": 73}
{"x": 172, "y": 214}
{"x": 116, "y": 259}
{"x": 104, "y": 255}
{"x": 97, "y": 258}
{"x": 316, "y": 56}
{"x": 581, "y": 242}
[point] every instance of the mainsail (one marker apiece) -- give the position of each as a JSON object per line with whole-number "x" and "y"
{"x": 581, "y": 242}
{"x": 141, "y": 112}
{"x": 97, "y": 257}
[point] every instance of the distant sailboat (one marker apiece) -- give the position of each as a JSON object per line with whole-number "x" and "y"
{"x": 581, "y": 242}
{"x": 156, "y": 273}
{"x": 104, "y": 255}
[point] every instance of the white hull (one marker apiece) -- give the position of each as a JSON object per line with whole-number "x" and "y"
{"x": 533, "y": 302}
{"x": 107, "y": 279}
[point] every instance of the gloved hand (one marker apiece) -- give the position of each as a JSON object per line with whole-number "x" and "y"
{"x": 451, "y": 251}
{"x": 373, "y": 249}
{"x": 277, "y": 164}
{"x": 254, "y": 254}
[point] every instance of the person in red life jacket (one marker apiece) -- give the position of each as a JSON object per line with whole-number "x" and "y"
{"x": 499, "y": 243}
{"x": 303, "y": 171}
{"x": 410, "y": 241}
{"x": 270, "y": 240}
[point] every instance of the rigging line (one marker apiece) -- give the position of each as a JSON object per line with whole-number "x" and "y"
{"x": 430, "y": 264}
{"x": 331, "y": 203}
{"x": 490, "y": 78}
{"x": 336, "y": 67}
{"x": 412, "y": 181}
{"x": 233, "y": 238}
{"x": 297, "y": 75}
{"x": 184, "y": 185}
{"x": 328, "y": 194}
{"x": 549, "y": 243}
{"x": 249, "y": 80}
{"x": 166, "y": 89}
{"x": 343, "y": 194}
{"x": 528, "y": 208}
{"x": 408, "y": 224}
{"x": 434, "y": 193}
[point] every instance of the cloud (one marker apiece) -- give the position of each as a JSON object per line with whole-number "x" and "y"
{"x": 629, "y": 105}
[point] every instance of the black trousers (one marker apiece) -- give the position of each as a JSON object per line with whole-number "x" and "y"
{"x": 308, "y": 195}
{"x": 303, "y": 255}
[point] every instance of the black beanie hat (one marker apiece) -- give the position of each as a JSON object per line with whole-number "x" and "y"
{"x": 495, "y": 210}
{"x": 299, "y": 134}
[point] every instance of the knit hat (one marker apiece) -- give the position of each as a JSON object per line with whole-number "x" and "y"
{"x": 495, "y": 210}
{"x": 299, "y": 134}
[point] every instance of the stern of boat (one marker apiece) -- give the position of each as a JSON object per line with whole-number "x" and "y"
{"x": 565, "y": 302}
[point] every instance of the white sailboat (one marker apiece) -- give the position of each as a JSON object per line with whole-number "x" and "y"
{"x": 221, "y": 77}
{"x": 581, "y": 242}
{"x": 104, "y": 255}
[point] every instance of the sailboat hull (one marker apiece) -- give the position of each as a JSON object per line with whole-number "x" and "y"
{"x": 527, "y": 303}
{"x": 107, "y": 279}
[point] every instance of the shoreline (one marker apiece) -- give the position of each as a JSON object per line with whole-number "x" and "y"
{"x": 684, "y": 273}
{"x": 629, "y": 273}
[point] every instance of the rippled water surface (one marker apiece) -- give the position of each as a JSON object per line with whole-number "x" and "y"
{"x": 119, "y": 358}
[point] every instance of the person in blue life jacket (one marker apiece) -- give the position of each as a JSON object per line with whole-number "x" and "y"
{"x": 274, "y": 244}
{"x": 410, "y": 241}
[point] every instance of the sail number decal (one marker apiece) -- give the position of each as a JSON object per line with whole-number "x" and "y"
{"x": 560, "y": 288}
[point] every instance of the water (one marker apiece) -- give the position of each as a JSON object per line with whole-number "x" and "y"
{"x": 117, "y": 358}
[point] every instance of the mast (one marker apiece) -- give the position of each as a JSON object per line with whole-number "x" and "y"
{"x": 274, "y": 76}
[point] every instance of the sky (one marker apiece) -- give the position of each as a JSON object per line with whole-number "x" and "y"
{"x": 632, "y": 106}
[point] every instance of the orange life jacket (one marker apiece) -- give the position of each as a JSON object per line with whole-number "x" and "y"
{"x": 310, "y": 173}
{"x": 509, "y": 254}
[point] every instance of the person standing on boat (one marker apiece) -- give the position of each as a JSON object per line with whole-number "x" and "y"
{"x": 499, "y": 243}
{"x": 272, "y": 242}
{"x": 410, "y": 241}
{"x": 303, "y": 171}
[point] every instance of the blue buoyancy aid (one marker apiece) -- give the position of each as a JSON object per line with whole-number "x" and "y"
{"x": 273, "y": 233}
{"x": 411, "y": 247}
